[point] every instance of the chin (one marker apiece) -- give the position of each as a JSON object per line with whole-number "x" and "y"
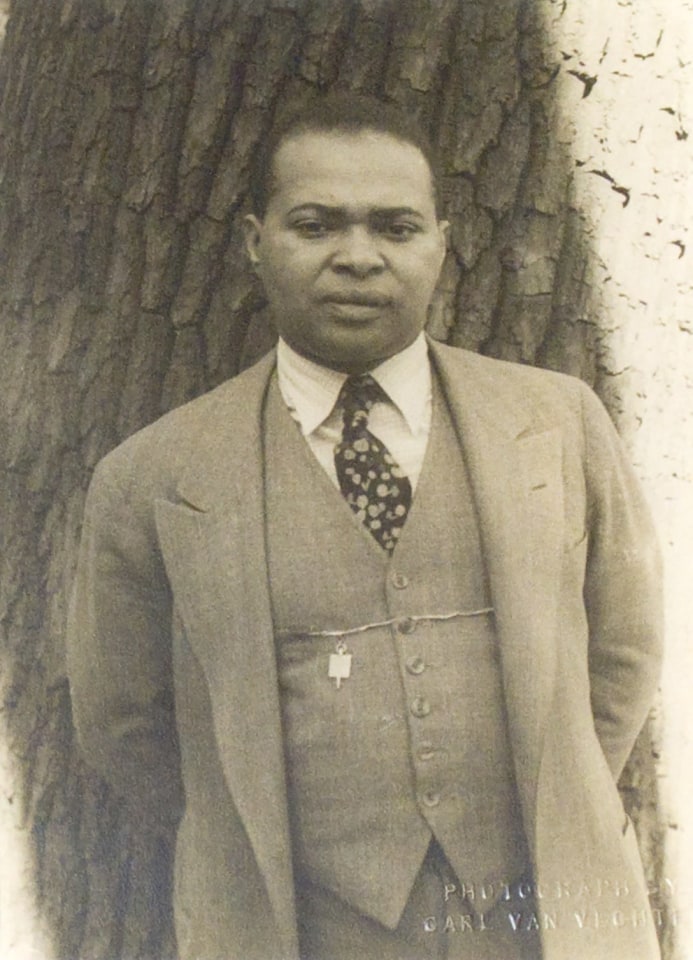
{"x": 355, "y": 352}
{"x": 355, "y": 363}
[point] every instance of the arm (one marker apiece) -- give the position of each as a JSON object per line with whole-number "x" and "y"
{"x": 118, "y": 648}
{"x": 622, "y": 592}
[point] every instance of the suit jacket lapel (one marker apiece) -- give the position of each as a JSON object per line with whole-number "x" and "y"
{"x": 214, "y": 545}
{"x": 517, "y": 485}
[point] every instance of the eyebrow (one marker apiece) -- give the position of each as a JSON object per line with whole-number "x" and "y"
{"x": 342, "y": 211}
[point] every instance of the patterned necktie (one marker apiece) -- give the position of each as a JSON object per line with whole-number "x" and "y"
{"x": 370, "y": 479}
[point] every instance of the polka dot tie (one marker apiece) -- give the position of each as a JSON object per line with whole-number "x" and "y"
{"x": 370, "y": 479}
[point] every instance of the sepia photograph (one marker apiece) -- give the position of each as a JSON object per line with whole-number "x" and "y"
{"x": 346, "y": 459}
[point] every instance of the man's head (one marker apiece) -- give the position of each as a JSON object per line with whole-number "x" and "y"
{"x": 345, "y": 233}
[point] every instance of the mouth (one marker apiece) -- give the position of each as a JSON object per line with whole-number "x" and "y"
{"x": 357, "y": 299}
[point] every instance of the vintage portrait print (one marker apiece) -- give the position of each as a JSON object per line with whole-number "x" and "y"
{"x": 346, "y": 353}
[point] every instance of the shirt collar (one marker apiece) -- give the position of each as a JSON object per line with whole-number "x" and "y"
{"x": 311, "y": 390}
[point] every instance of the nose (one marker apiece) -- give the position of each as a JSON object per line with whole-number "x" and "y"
{"x": 357, "y": 253}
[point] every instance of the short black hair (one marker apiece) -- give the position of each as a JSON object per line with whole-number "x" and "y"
{"x": 342, "y": 113}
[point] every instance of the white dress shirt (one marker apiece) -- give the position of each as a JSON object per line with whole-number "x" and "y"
{"x": 310, "y": 392}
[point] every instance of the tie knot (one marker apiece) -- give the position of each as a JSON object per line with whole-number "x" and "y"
{"x": 357, "y": 397}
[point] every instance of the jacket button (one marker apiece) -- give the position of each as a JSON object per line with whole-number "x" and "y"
{"x": 400, "y": 581}
{"x": 430, "y": 798}
{"x": 405, "y": 625}
{"x": 415, "y": 665}
{"x": 420, "y": 707}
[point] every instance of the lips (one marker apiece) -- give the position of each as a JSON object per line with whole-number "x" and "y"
{"x": 357, "y": 298}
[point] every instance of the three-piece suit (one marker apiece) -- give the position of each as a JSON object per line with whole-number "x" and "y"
{"x": 503, "y": 660}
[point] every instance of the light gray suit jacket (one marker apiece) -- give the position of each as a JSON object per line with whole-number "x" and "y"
{"x": 172, "y": 662}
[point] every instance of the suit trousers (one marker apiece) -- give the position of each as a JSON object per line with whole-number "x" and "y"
{"x": 438, "y": 923}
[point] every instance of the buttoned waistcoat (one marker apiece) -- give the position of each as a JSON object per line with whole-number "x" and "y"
{"x": 174, "y": 676}
{"x": 414, "y": 743}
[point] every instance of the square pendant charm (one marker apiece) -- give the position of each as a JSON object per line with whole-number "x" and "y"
{"x": 339, "y": 667}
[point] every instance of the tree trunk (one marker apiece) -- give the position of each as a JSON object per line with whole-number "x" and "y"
{"x": 128, "y": 129}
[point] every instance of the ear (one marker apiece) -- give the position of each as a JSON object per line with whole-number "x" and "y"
{"x": 252, "y": 233}
{"x": 444, "y": 234}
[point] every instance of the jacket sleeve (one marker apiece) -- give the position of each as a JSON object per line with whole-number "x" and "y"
{"x": 119, "y": 649}
{"x": 622, "y": 592}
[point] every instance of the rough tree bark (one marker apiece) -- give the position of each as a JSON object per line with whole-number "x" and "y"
{"x": 128, "y": 127}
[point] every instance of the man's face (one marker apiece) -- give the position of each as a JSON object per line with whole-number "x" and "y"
{"x": 350, "y": 248}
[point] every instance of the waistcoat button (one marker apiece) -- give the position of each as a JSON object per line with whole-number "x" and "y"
{"x": 420, "y": 707}
{"x": 400, "y": 581}
{"x": 430, "y": 798}
{"x": 415, "y": 665}
{"x": 405, "y": 625}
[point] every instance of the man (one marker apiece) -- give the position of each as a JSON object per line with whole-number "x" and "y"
{"x": 372, "y": 628}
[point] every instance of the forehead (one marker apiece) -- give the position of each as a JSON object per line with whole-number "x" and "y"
{"x": 366, "y": 168}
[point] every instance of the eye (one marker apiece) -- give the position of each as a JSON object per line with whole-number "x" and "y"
{"x": 400, "y": 230}
{"x": 310, "y": 228}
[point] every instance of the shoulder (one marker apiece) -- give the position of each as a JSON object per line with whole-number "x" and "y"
{"x": 504, "y": 372}
{"x": 517, "y": 389}
{"x": 157, "y": 454}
